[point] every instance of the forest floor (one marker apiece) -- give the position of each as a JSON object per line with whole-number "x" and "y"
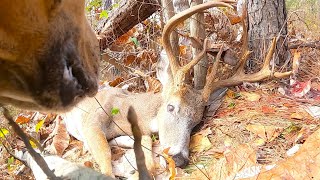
{"x": 253, "y": 130}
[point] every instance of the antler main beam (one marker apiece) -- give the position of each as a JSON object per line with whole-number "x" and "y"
{"x": 175, "y": 20}
{"x": 239, "y": 77}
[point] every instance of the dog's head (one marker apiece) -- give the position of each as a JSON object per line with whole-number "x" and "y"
{"x": 48, "y": 54}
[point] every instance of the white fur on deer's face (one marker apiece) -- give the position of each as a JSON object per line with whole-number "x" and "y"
{"x": 180, "y": 112}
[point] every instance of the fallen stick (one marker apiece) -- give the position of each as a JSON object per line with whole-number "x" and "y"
{"x": 313, "y": 44}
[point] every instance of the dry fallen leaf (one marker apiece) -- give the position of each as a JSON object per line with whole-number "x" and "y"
{"x": 302, "y": 165}
{"x": 171, "y": 163}
{"x": 125, "y": 37}
{"x": 88, "y": 164}
{"x": 239, "y": 158}
{"x": 259, "y": 142}
{"x": 199, "y": 143}
{"x": 268, "y": 109}
{"x": 180, "y": 25}
{"x": 117, "y": 153}
{"x": 205, "y": 132}
{"x": 251, "y": 96}
{"x": 303, "y": 134}
{"x": 296, "y": 116}
{"x": 267, "y": 133}
{"x": 227, "y": 142}
{"x": 183, "y": 49}
{"x": 235, "y": 159}
{"x": 116, "y": 81}
{"x": 147, "y": 56}
{"x": 231, "y": 94}
{"x": 234, "y": 19}
{"x": 39, "y": 125}
{"x": 129, "y": 60}
{"x": 23, "y": 118}
{"x": 61, "y": 138}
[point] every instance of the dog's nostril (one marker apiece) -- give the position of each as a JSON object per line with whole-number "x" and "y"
{"x": 79, "y": 86}
{"x": 180, "y": 160}
{"x": 92, "y": 90}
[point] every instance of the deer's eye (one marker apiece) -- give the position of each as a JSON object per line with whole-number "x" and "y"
{"x": 170, "y": 108}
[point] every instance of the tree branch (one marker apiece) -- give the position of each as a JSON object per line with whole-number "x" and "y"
{"x": 129, "y": 13}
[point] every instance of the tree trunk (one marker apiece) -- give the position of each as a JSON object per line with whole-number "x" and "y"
{"x": 266, "y": 20}
{"x": 168, "y": 12}
{"x": 197, "y": 30}
{"x": 129, "y": 13}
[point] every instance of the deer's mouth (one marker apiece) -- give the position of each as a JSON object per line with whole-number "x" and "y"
{"x": 180, "y": 160}
{"x": 179, "y": 152}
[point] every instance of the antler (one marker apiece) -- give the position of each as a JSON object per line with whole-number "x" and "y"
{"x": 179, "y": 72}
{"x": 239, "y": 77}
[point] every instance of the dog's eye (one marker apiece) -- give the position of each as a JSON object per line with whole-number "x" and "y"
{"x": 170, "y": 108}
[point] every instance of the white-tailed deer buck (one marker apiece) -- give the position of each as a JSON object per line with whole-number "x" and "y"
{"x": 173, "y": 113}
{"x": 48, "y": 54}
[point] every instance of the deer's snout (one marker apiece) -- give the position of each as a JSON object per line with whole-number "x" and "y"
{"x": 180, "y": 160}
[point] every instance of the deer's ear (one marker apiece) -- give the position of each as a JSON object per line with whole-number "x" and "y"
{"x": 214, "y": 102}
{"x": 163, "y": 70}
{"x": 217, "y": 96}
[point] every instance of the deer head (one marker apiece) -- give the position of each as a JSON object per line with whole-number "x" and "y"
{"x": 183, "y": 106}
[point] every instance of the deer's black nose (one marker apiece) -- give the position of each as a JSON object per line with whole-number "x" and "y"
{"x": 180, "y": 160}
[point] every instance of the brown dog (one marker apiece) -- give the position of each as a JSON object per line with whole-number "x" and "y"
{"x": 48, "y": 54}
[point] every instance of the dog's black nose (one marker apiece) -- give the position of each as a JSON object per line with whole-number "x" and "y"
{"x": 180, "y": 160}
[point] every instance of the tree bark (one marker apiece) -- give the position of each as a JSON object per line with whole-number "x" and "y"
{"x": 168, "y": 12}
{"x": 129, "y": 13}
{"x": 266, "y": 20}
{"x": 197, "y": 30}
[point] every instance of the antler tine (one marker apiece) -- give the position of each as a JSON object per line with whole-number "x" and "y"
{"x": 269, "y": 58}
{"x": 181, "y": 71}
{"x": 175, "y": 20}
{"x": 239, "y": 78}
{"x": 195, "y": 61}
{"x": 210, "y": 78}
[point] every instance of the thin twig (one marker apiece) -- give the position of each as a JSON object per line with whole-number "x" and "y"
{"x": 36, "y": 157}
{"x": 8, "y": 150}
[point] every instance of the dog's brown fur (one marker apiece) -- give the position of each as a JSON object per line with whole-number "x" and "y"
{"x": 48, "y": 54}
